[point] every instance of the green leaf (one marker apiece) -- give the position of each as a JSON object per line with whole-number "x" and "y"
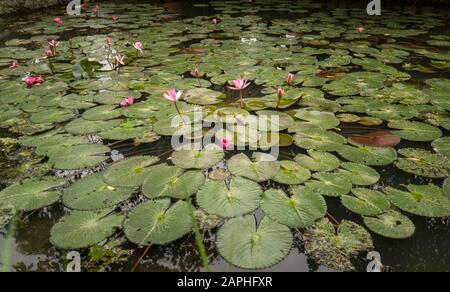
{"x": 368, "y": 155}
{"x": 92, "y": 193}
{"x": 169, "y": 181}
{"x": 193, "y": 159}
{"x": 291, "y": 173}
{"x": 423, "y": 163}
{"x": 366, "y": 202}
{"x": 129, "y": 172}
{"x": 301, "y": 210}
{"x": 359, "y": 174}
{"x": 415, "y": 131}
{"x": 442, "y": 146}
{"x": 391, "y": 225}
{"x": 204, "y": 96}
{"x": 330, "y": 184}
{"x": 321, "y": 120}
{"x": 82, "y": 229}
{"x": 316, "y": 139}
{"x": 31, "y": 194}
{"x": 425, "y": 200}
{"x": 318, "y": 161}
{"x": 242, "y": 197}
{"x": 157, "y": 222}
{"x": 83, "y": 69}
{"x": 258, "y": 171}
{"x": 246, "y": 245}
{"x": 446, "y": 187}
{"x": 79, "y": 156}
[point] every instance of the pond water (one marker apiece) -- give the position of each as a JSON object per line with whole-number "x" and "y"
{"x": 83, "y": 170}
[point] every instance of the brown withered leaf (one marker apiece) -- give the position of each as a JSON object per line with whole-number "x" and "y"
{"x": 382, "y": 139}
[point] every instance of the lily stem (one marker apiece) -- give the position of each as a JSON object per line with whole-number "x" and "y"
{"x": 198, "y": 236}
{"x": 179, "y": 113}
{"x": 242, "y": 97}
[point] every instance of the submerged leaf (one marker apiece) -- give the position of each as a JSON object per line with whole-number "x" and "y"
{"x": 377, "y": 139}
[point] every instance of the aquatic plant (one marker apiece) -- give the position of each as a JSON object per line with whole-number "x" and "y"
{"x": 240, "y": 85}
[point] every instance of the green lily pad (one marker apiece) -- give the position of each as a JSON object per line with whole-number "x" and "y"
{"x": 102, "y": 113}
{"x": 318, "y": 161}
{"x": 273, "y": 121}
{"x": 129, "y": 172}
{"x": 169, "y": 181}
{"x": 368, "y": 155}
{"x": 247, "y": 245}
{"x": 360, "y": 175}
{"x": 193, "y": 159}
{"x": 442, "y": 146}
{"x": 415, "y": 131}
{"x": 258, "y": 171}
{"x": 423, "y": 163}
{"x": 80, "y": 156}
{"x": 330, "y": 184}
{"x": 31, "y": 194}
{"x": 301, "y": 210}
{"x": 425, "y": 200}
{"x": 291, "y": 173}
{"x": 392, "y": 224}
{"x": 82, "y": 229}
{"x": 321, "y": 120}
{"x": 242, "y": 197}
{"x": 83, "y": 127}
{"x": 52, "y": 116}
{"x": 204, "y": 96}
{"x": 157, "y": 222}
{"x": 336, "y": 248}
{"x": 366, "y": 202}
{"x": 316, "y": 139}
{"x": 92, "y": 193}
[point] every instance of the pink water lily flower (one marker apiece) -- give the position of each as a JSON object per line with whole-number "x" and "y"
{"x": 226, "y": 143}
{"x": 139, "y": 46}
{"x": 173, "y": 95}
{"x": 214, "y": 20}
{"x": 34, "y": 80}
{"x": 50, "y": 54}
{"x": 240, "y": 84}
{"x": 115, "y": 18}
{"x": 290, "y": 79}
{"x": 127, "y": 101}
{"x": 58, "y": 20}
{"x": 53, "y": 43}
{"x": 120, "y": 59}
{"x": 360, "y": 29}
{"x": 14, "y": 64}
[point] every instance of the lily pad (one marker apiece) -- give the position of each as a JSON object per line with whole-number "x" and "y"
{"x": 330, "y": 184}
{"x": 247, "y": 245}
{"x": 204, "y": 96}
{"x": 423, "y": 163}
{"x": 321, "y": 120}
{"x": 318, "y": 161}
{"x": 301, "y": 210}
{"x": 415, "y": 131}
{"x": 392, "y": 224}
{"x": 52, "y": 116}
{"x": 130, "y": 172}
{"x": 291, "y": 173}
{"x": 442, "y": 146}
{"x": 368, "y": 155}
{"x": 336, "y": 248}
{"x": 316, "y": 139}
{"x": 92, "y": 193}
{"x": 421, "y": 200}
{"x": 31, "y": 194}
{"x": 193, "y": 159}
{"x": 102, "y": 113}
{"x": 168, "y": 181}
{"x": 241, "y": 197}
{"x": 360, "y": 175}
{"x": 366, "y": 202}
{"x": 157, "y": 222}
{"x": 80, "y": 156}
{"x": 258, "y": 171}
{"x": 82, "y": 229}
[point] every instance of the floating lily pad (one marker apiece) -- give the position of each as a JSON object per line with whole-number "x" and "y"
{"x": 359, "y": 174}
{"x": 301, "y": 210}
{"x": 204, "y": 96}
{"x": 157, "y": 222}
{"x": 129, "y": 172}
{"x": 321, "y": 120}
{"x": 368, "y": 155}
{"x": 193, "y": 159}
{"x": 241, "y": 197}
{"x": 168, "y": 181}
{"x": 258, "y": 171}
{"x": 102, "y": 113}
{"x": 82, "y": 229}
{"x": 83, "y": 127}
{"x": 330, "y": 184}
{"x": 247, "y": 245}
{"x": 425, "y": 200}
{"x": 291, "y": 173}
{"x": 415, "y": 131}
{"x": 31, "y": 194}
{"x": 316, "y": 139}
{"x": 52, "y": 116}
{"x": 92, "y": 193}
{"x": 336, "y": 248}
{"x": 318, "y": 161}
{"x": 366, "y": 202}
{"x": 442, "y": 146}
{"x": 273, "y": 121}
{"x": 392, "y": 224}
{"x": 423, "y": 163}
{"x": 80, "y": 156}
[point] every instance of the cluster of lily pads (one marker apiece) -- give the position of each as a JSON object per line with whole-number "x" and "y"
{"x": 318, "y": 74}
